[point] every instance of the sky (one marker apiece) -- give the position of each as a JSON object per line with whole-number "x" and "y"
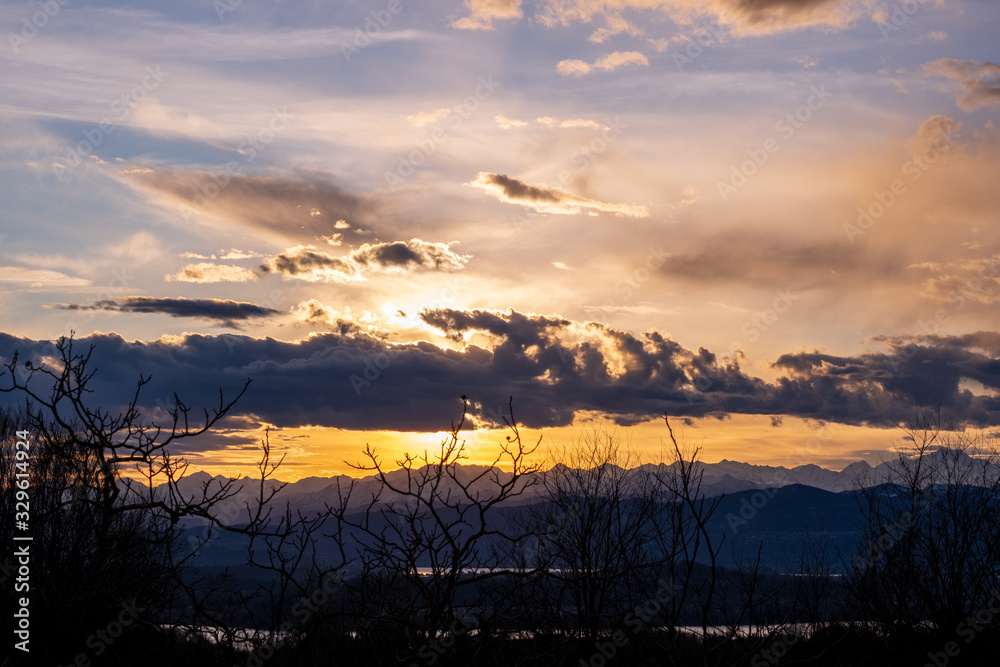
{"x": 774, "y": 221}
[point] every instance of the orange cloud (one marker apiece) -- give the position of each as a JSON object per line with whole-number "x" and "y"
{"x": 752, "y": 17}
{"x": 482, "y": 13}
{"x": 980, "y": 81}
{"x": 608, "y": 63}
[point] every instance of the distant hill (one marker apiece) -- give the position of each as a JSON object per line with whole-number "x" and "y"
{"x": 722, "y": 478}
{"x": 778, "y": 510}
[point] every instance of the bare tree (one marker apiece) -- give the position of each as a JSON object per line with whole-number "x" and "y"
{"x": 429, "y": 533}
{"x": 108, "y": 501}
{"x": 594, "y": 527}
{"x": 931, "y": 546}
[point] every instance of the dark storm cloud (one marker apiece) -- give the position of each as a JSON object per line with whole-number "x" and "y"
{"x": 297, "y": 209}
{"x": 916, "y": 372}
{"x": 986, "y": 341}
{"x": 552, "y": 367}
{"x": 222, "y": 311}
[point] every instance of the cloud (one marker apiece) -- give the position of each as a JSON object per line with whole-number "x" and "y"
{"x": 608, "y": 63}
{"x": 161, "y": 120}
{"x": 746, "y": 16}
{"x": 573, "y": 68}
{"x": 308, "y": 263}
{"x": 879, "y": 388}
{"x": 554, "y": 368}
{"x": 282, "y": 208}
{"x": 689, "y": 197}
{"x": 956, "y": 283}
{"x": 769, "y": 262}
{"x": 40, "y": 278}
{"x": 931, "y": 132}
{"x": 980, "y": 81}
{"x": 505, "y": 123}
{"x": 206, "y": 272}
{"x": 239, "y": 254}
{"x": 583, "y": 122}
{"x": 423, "y": 118}
{"x": 569, "y": 123}
{"x": 406, "y": 256}
{"x": 314, "y": 312}
{"x": 482, "y": 13}
{"x": 614, "y": 25}
{"x": 548, "y": 200}
{"x": 305, "y": 262}
{"x": 222, "y": 311}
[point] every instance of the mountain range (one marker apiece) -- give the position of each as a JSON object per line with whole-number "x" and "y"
{"x": 722, "y": 478}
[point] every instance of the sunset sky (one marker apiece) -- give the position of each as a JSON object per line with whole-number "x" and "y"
{"x": 774, "y": 220}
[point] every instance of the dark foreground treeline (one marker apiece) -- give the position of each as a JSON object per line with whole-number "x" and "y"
{"x": 445, "y": 564}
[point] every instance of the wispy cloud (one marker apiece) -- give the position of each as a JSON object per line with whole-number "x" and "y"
{"x": 221, "y": 311}
{"x": 301, "y": 209}
{"x": 750, "y": 17}
{"x": 39, "y": 278}
{"x": 980, "y": 81}
{"x": 206, "y": 272}
{"x": 549, "y": 200}
{"x": 505, "y": 123}
{"x": 607, "y": 63}
{"x": 482, "y": 13}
